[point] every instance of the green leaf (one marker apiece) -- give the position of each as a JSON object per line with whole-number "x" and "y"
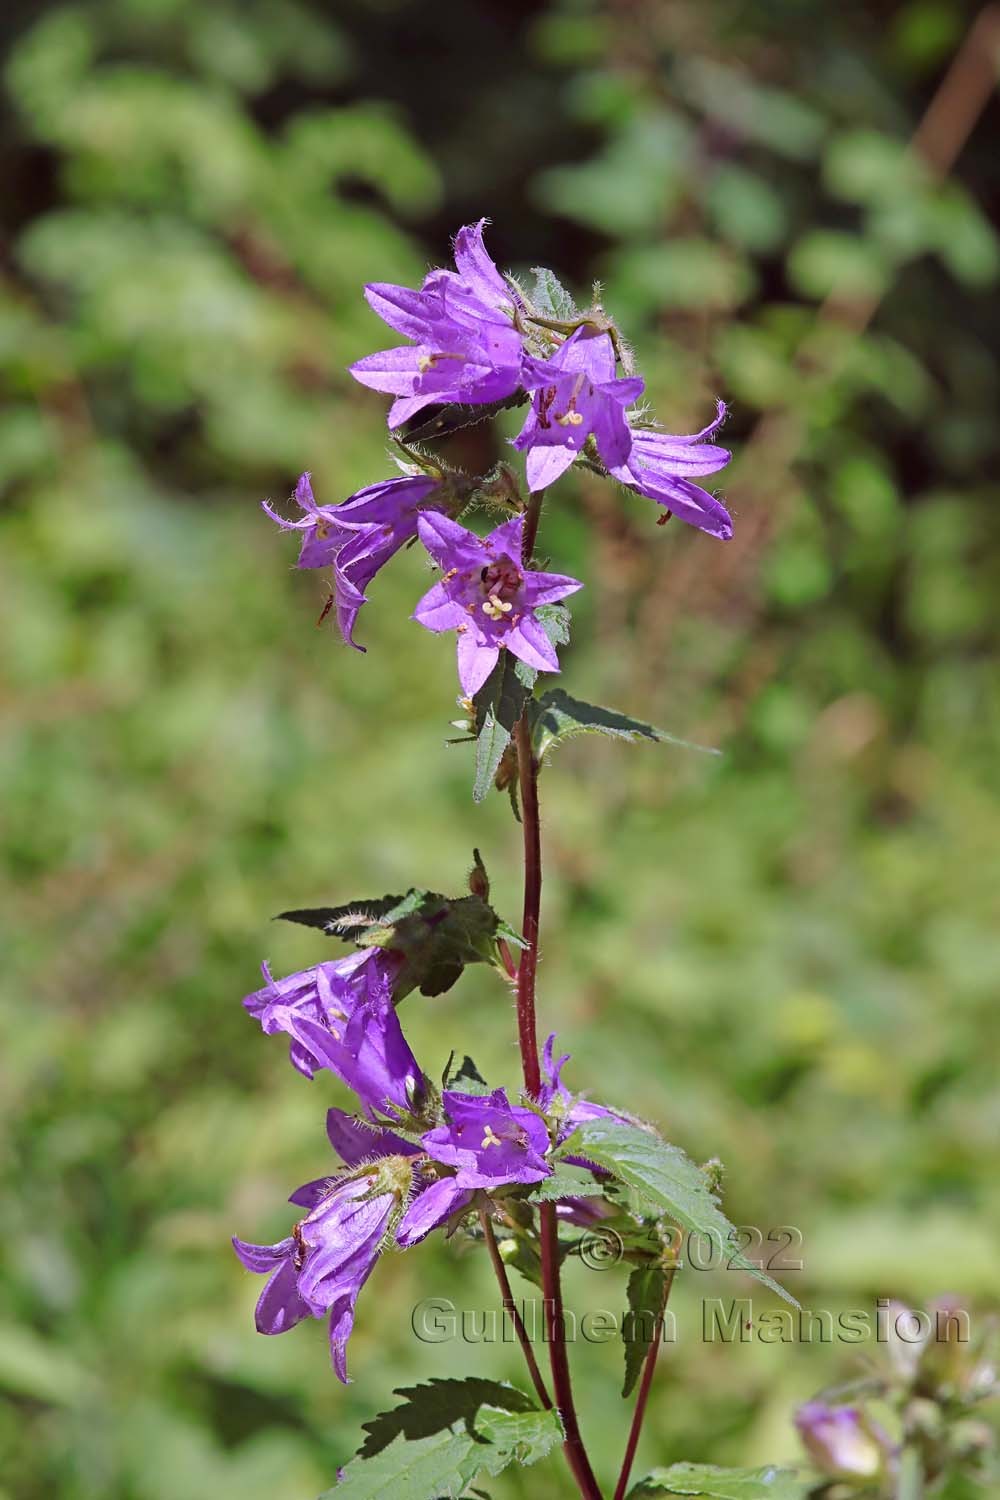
{"x": 556, "y": 717}
{"x": 646, "y": 1288}
{"x": 498, "y": 705}
{"x": 438, "y": 935}
{"x": 554, "y": 620}
{"x": 550, "y": 298}
{"x": 667, "y": 1180}
{"x": 714, "y": 1483}
{"x": 466, "y": 1077}
{"x": 443, "y": 1435}
{"x": 565, "y": 1182}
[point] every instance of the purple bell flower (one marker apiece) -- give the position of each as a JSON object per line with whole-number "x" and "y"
{"x": 488, "y": 1141}
{"x": 357, "y": 537}
{"x": 842, "y": 1441}
{"x": 488, "y": 597}
{"x": 432, "y": 1206}
{"x": 339, "y": 1015}
{"x": 465, "y": 346}
{"x": 660, "y": 465}
{"x": 322, "y": 1266}
{"x": 577, "y": 394}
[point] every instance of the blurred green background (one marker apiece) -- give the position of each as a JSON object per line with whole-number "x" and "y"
{"x": 787, "y": 957}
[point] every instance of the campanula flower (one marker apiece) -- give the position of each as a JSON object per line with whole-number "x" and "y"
{"x": 660, "y": 465}
{"x": 357, "y": 537}
{"x": 841, "y": 1440}
{"x": 576, "y": 395}
{"x": 488, "y": 597}
{"x": 431, "y": 1208}
{"x": 326, "y": 1260}
{"x": 488, "y": 1141}
{"x": 465, "y": 347}
{"x": 339, "y": 1015}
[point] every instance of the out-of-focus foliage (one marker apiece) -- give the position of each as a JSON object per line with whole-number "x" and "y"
{"x": 787, "y": 957}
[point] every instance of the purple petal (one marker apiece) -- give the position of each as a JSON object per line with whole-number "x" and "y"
{"x": 529, "y": 641}
{"x": 546, "y": 588}
{"x": 612, "y": 433}
{"x": 405, "y": 407}
{"x": 263, "y": 1258}
{"x": 437, "y": 610}
{"x": 690, "y": 503}
{"x": 311, "y": 1194}
{"x": 506, "y": 538}
{"x": 590, "y": 352}
{"x": 279, "y": 1306}
{"x": 391, "y": 370}
{"x": 428, "y": 1211}
{"x": 547, "y": 463}
{"x": 356, "y": 1141}
{"x": 447, "y": 542}
{"x": 659, "y": 452}
{"x": 475, "y": 662}
{"x": 476, "y": 267}
{"x": 409, "y": 313}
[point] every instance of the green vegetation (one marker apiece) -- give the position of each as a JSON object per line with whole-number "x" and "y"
{"x": 786, "y": 954}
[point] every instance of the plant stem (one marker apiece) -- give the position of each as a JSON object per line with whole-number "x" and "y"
{"x": 527, "y": 770}
{"x": 527, "y": 765}
{"x": 511, "y": 1307}
{"x": 576, "y": 1454}
{"x": 645, "y": 1385}
{"x": 532, "y": 516}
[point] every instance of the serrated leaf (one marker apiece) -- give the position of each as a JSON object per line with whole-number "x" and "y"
{"x": 565, "y": 1182}
{"x": 498, "y": 705}
{"x": 646, "y": 1288}
{"x": 714, "y": 1483}
{"x": 467, "y": 1078}
{"x": 555, "y": 621}
{"x": 444, "y": 1434}
{"x": 665, "y": 1179}
{"x": 550, "y": 298}
{"x": 556, "y": 717}
{"x": 340, "y": 921}
{"x": 436, "y": 1404}
{"x": 438, "y": 935}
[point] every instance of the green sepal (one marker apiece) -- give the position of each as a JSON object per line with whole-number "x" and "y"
{"x": 713, "y": 1483}
{"x": 556, "y": 716}
{"x": 550, "y": 299}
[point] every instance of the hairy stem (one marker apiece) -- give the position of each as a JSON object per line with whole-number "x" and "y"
{"x": 645, "y": 1385}
{"x": 511, "y": 1307}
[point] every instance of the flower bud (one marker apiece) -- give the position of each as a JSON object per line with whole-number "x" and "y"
{"x": 841, "y": 1440}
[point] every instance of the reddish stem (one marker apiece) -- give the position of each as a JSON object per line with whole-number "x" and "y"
{"x": 511, "y": 1307}
{"x": 527, "y": 770}
{"x": 645, "y": 1385}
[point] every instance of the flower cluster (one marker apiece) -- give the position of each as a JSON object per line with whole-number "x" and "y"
{"x": 475, "y": 340}
{"x": 410, "y": 1161}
